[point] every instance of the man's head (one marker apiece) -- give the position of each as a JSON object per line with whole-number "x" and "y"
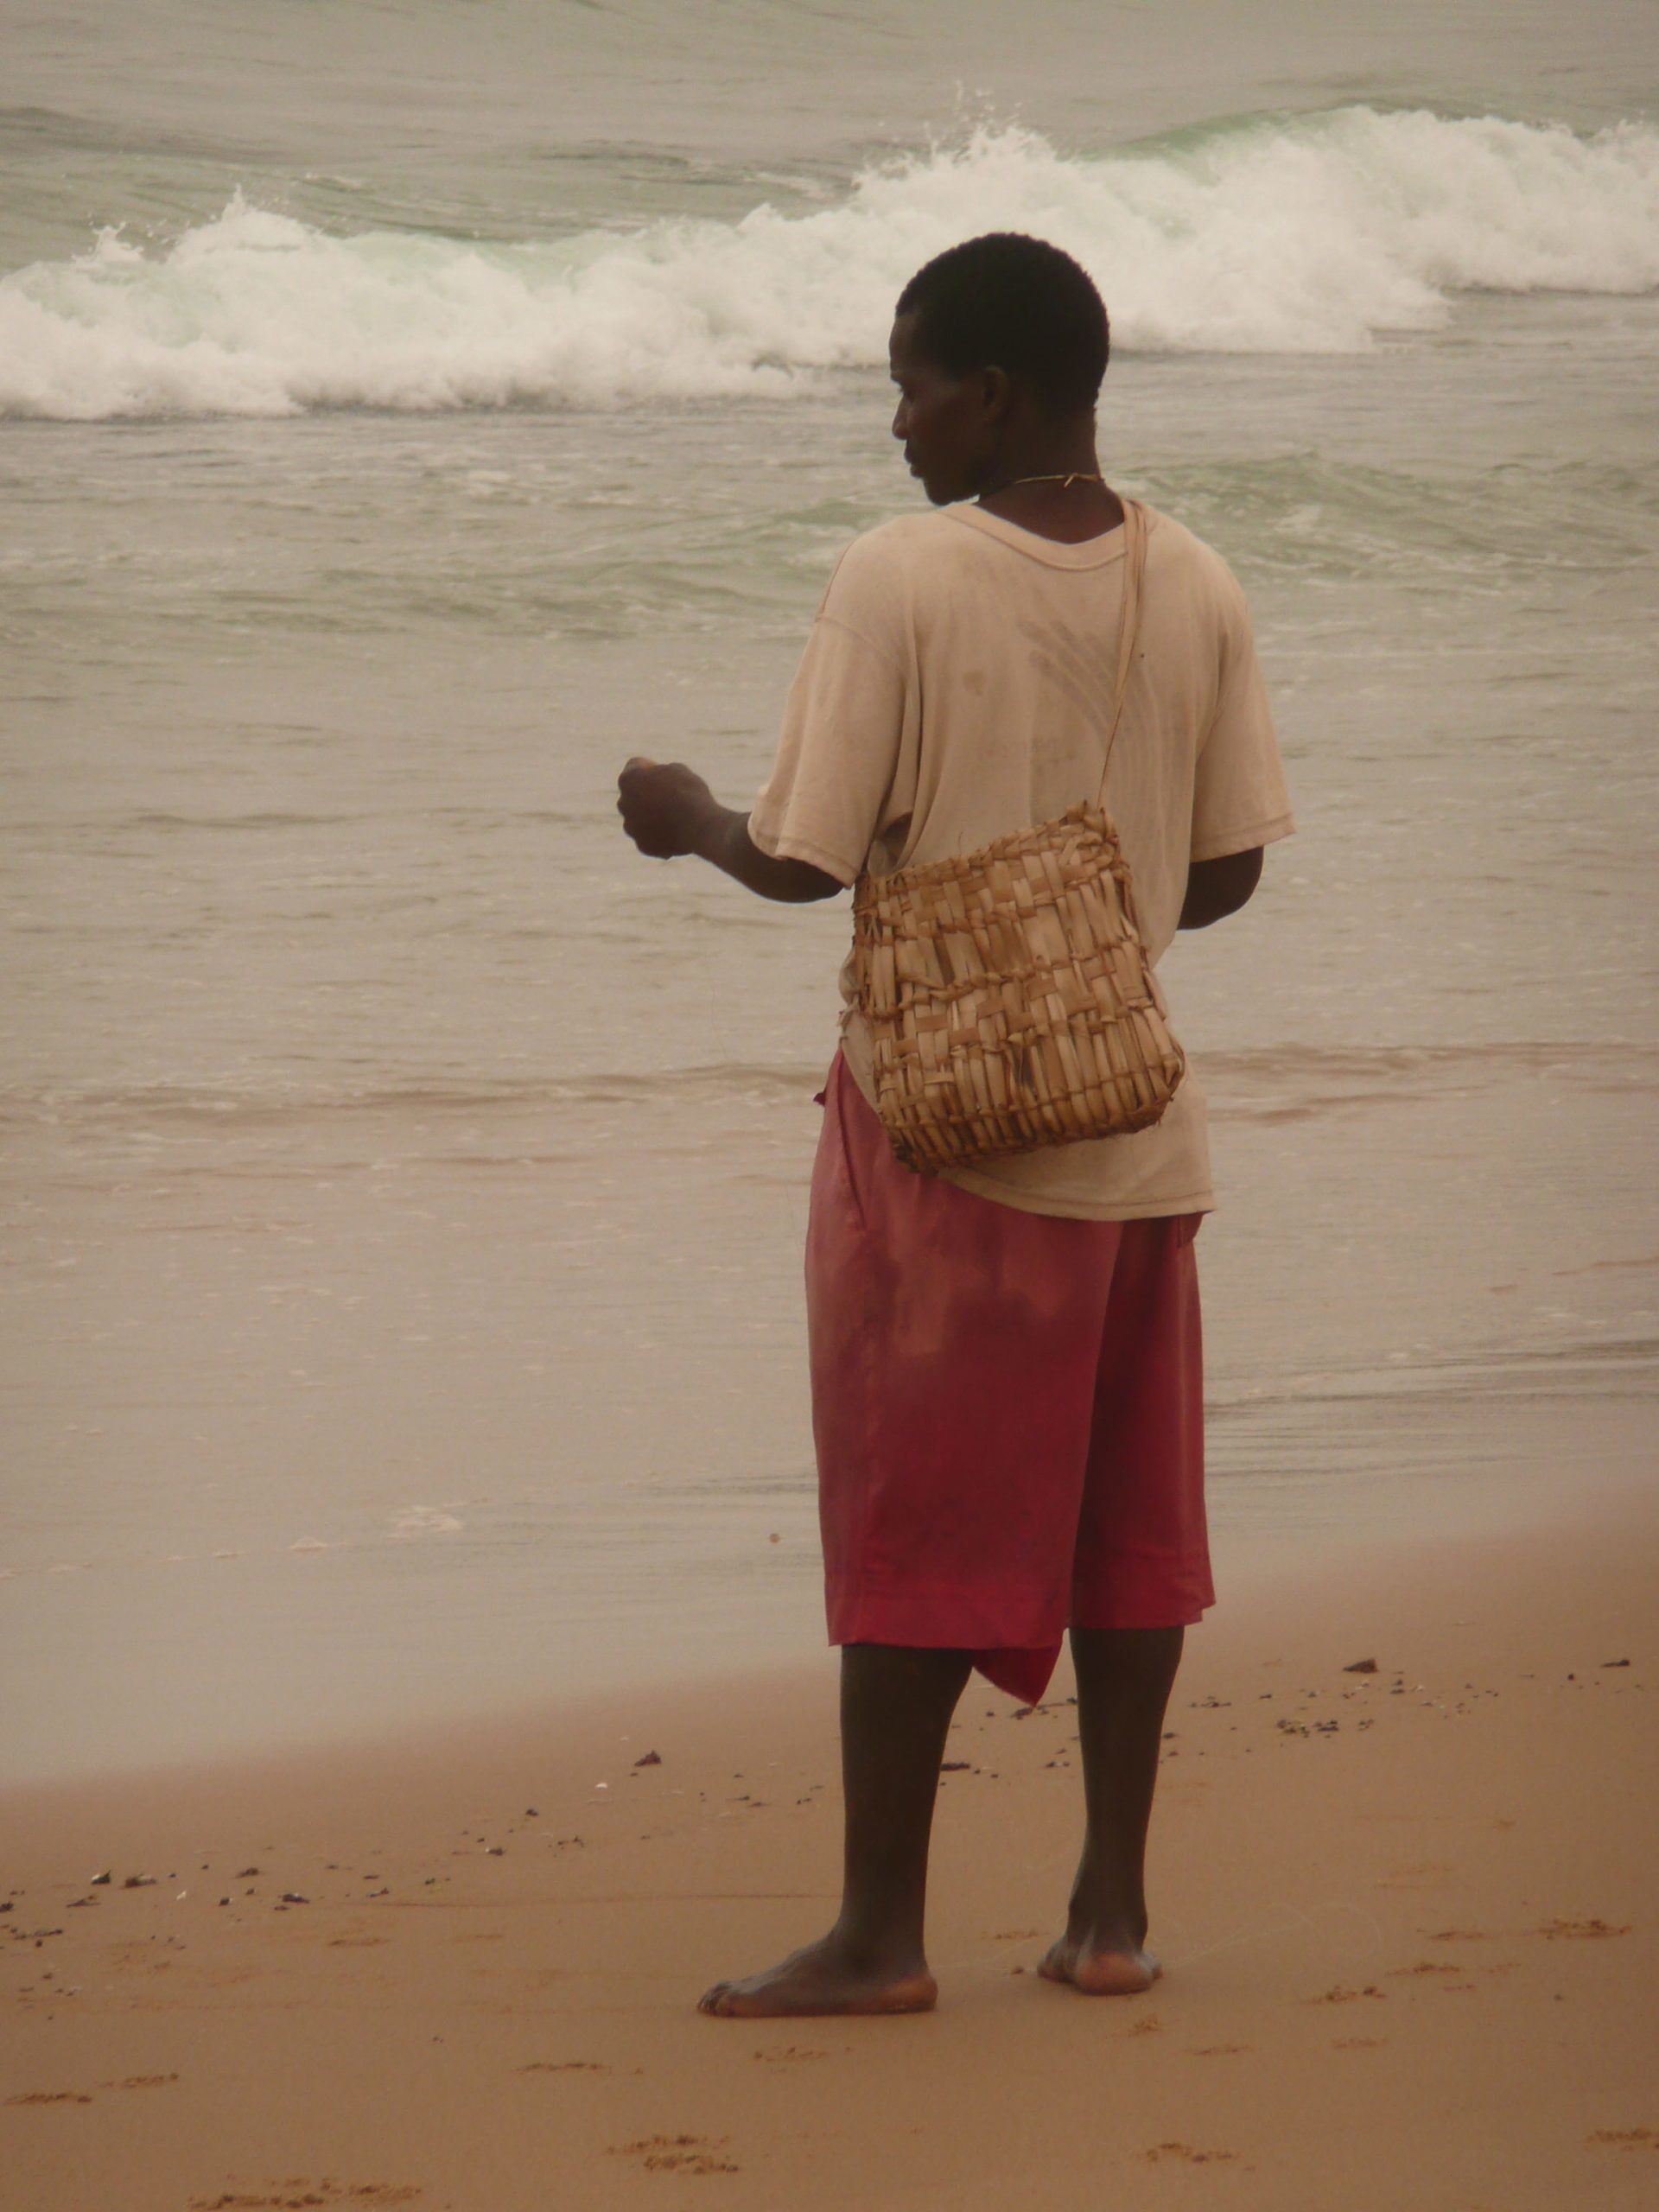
{"x": 998, "y": 345}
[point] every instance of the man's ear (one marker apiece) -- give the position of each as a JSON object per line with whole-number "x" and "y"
{"x": 996, "y": 392}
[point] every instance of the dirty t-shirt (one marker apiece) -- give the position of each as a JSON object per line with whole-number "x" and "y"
{"x": 956, "y": 686}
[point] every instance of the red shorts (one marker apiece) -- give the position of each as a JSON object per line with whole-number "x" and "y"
{"x": 1008, "y": 1409}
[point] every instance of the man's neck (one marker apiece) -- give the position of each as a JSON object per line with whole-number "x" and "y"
{"x": 1068, "y": 511}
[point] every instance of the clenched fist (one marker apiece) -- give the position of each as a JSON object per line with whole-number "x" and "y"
{"x": 664, "y": 806}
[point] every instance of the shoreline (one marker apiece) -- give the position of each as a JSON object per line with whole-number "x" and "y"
{"x": 1266, "y": 1532}
{"x": 1406, "y": 1918}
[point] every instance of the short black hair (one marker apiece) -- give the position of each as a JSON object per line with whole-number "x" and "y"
{"x": 1007, "y": 302}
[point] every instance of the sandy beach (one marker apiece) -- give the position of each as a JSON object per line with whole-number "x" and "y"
{"x": 1407, "y": 1913}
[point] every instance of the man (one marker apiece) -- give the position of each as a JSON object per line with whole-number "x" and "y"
{"x": 1006, "y": 1384}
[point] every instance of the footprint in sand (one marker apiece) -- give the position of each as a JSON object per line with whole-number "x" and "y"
{"x": 679, "y": 2154}
{"x": 50, "y": 2097}
{"x": 564, "y": 2066}
{"x": 1219, "y": 2050}
{"x": 1581, "y": 1931}
{"x": 1423, "y": 1874}
{"x": 1423, "y": 1965}
{"x": 140, "y": 2082}
{"x": 1625, "y": 2138}
{"x": 299, "y": 2193}
{"x": 789, "y": 2055}
{"x": 1359, "y": 2043}
{"x": 1341, "y": 1994}
{"x": 1188, "y": 2156}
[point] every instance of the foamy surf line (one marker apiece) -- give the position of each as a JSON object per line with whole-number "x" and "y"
{"x": 1311, "y": 235}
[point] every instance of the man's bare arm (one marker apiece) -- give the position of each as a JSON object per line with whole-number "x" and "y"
{"x": 725, "y": 840}
{"x": 1217, "y": 888}
{"x": 668, "y": 810}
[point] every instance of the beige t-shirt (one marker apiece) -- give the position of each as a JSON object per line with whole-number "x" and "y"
{"x": 955, "y": 686}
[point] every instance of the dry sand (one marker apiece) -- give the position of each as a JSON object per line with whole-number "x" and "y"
{"x": 1408, "y": 1919}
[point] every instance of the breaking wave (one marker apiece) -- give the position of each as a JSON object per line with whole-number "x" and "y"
{"x": 1312, "y": 235}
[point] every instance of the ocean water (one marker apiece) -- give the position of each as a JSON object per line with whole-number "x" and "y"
{"x": 407, "y": 412}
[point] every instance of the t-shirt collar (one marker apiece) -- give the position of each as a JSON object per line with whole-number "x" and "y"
{"x": 1091, "y": 553}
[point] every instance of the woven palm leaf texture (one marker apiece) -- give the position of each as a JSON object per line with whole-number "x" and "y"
{"x": 1009, "y": 1000}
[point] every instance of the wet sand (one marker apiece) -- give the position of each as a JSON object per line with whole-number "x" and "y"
{"x": 1407, "y": 1916}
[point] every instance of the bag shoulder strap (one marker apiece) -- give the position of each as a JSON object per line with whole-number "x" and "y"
{"x": 1135, "y": 571}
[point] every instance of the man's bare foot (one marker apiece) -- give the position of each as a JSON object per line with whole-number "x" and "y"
{"x": 824, "y": 1978}
{"x": 1101, "y": 1965}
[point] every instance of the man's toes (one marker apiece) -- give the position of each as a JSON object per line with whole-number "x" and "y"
{"x": 714, "y": 2000}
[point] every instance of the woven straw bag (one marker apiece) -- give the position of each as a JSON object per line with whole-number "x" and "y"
{"x": 1009, "y": 997}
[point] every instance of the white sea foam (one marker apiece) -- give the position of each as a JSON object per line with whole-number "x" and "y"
{"x": 1307, "y": 236}
{"x": 424, "y": 1521}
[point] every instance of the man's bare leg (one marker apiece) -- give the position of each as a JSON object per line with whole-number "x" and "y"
{"x": 1124, "y": 1678}
{"x": 896, "y": 1705}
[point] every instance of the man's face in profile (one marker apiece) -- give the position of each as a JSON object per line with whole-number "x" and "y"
{"x": 939, "y": 420}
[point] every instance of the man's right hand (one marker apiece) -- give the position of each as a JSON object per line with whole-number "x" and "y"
{"x": 664, "y": 807}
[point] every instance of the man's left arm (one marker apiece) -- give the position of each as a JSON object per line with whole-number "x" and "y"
{"x": 1239, "y": 800}
{"x": 1219, "y": 888}
{"x": 669, "y": 811}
